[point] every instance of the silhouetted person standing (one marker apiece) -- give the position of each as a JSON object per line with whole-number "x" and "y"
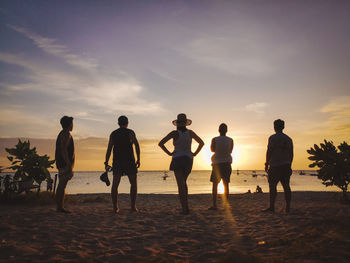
{"x": 122, "y": 141}
{"x": 182, "y": 160}
{"x": 222, "y": 147}
{"x": 65, "y": 157}
{"x": 279, "y": 158}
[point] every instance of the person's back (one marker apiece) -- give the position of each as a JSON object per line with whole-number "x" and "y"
{"x": 182, "y": 146}
{"x": 223, "y": 149}
{"x": 281, "y": 146}
{"x": 122, "y": 146}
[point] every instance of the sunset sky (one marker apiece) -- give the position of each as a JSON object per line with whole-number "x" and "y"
{"x": 245, "y": 63}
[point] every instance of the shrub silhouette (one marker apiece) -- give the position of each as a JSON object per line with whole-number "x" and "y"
{"x": 333, "y": 163}
{"x": 27, "y": 164}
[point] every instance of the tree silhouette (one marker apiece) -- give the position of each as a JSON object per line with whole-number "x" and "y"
{"x": 333, "y": 163}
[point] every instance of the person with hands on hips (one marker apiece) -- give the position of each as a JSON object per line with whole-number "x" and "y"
{"x": 182, "y": 156}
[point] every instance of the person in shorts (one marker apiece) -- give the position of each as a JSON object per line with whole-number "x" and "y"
{"x": 182, "y": 156}
{"x": 222, "y": 147}
{"x": 65, "y": 158}
{"x": 279, "y": 158}
{"x": 121, "y": 141}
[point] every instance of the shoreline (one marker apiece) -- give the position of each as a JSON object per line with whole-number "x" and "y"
{"x": 316, "y": 230}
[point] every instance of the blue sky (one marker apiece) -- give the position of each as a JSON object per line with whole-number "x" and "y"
{"x": 245, "y": 63}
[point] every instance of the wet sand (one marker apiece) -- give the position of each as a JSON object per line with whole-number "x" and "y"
{"x": 316, "y": 230}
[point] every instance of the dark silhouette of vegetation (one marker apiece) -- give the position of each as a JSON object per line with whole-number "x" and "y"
{"x": 27, "y": 164}
{"x": 333, "y": 163}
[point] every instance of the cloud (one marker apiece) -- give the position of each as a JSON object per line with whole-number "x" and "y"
{"x": 18, "y": 60}
{"x": 239, "y": 56}
{"x": 34, "y": 125}
{"x": 89, "y": 86}
{"x": 257, "y": 107}
{"x": 339, "y": 114}
{"x": 338, "y": 104}
{"x": 50, "y": 46}
{"x": 117, "y": 93}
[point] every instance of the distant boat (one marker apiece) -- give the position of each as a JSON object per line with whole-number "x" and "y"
{"x": 254, "y": 174}
{"x": 165, "y": 176}
{"x": 301, "y": 173}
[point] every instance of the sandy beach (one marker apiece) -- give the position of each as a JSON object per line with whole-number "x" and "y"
{"x": 316, "y": 230}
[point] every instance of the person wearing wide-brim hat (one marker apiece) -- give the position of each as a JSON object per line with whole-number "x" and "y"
{"x": 182, "y": 156}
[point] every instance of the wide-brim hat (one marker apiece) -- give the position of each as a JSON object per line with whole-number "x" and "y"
{"x": 182, "y": 119}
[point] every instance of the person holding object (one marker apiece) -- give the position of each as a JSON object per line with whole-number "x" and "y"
{"x": 121, "y": 141}
{"x": 65, "y": 158}
{"x": 279, "y": 158}
{"x": 222, "y": 147}
{"x": 182, "y": 156}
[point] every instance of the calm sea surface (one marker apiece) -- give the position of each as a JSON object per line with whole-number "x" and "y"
{"x": 198, "y": 183}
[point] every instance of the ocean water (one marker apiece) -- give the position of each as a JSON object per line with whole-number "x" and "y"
{"x": 198, "y": 183}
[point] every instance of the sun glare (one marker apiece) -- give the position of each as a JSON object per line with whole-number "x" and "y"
{"x": 236, "y": 154}
{"x": 221, "y": 188}
{"x": 206, "y": 154}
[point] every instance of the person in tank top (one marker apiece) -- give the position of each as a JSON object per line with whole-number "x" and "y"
{"x": 65, "y": 158}
{"x": 182, "y": 156}
{"x": 222, "y": 147}
{"x": 121, "y": 141}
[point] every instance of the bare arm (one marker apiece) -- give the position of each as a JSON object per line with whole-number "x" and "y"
{"x": 268, "y": 156}
{"x": 212, "y": 145}
{"x": 292, "y": 152}
{"x": 73, "y": 162}
{"x": 231, "y": 147}
{"x": 64, "y": 149}
{"x": 197, "y": 139}
{"x": 163, "y": 141}
{"x": 109, "y": 150}
{"x": 137, "y": 148}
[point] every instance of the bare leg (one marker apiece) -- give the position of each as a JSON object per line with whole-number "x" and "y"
{"x": 183, "y": 191}
{"x": 133, "y": 191}
{"x": 215, "y": 194}
{"x": 273, "y": 194}
{"x": 60, "y": 194}
{"x": 114, "y": 192}
{"x": 226, "y": 188}
{"x": 287, "y": 194}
